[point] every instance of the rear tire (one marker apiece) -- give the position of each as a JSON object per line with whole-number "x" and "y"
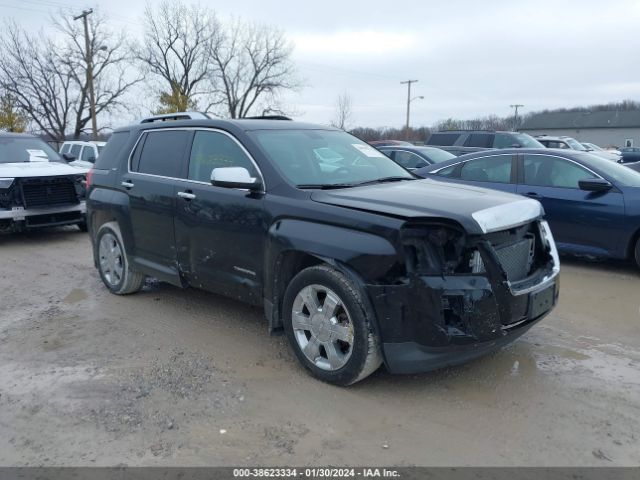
{"x": 329, "y": 326}
{"x": 113, "y": 265}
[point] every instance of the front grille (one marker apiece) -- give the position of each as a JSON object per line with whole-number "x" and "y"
{"x": 44, "y": 192}
{"x": 517, "y": 258}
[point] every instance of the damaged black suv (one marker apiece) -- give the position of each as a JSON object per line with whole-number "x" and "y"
{"x": 357, "y": 260}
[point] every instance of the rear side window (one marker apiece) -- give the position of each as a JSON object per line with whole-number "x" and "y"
{"x": 109, "y": 157}
{"x": 215, "y": 150}
{"x": 484, "y": 140}
{"x": 163, "y": 152}
{"x": 443, "y": 139}
{"x": 488, "y": 169}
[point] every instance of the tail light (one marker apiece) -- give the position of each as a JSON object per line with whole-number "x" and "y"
{"x": 88, "y": 179}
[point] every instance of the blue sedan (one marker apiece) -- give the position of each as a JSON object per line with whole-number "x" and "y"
{"x": 592, "y": 204}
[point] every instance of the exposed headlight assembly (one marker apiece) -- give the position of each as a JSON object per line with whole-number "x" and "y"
{"x": 432, "y": 250}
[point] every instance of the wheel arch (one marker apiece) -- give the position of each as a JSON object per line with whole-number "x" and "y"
{"x": 295, "y": 245}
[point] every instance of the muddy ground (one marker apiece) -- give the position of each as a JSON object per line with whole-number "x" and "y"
{"x": 173, "y": 377}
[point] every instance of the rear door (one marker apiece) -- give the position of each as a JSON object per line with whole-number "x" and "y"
{"x": 220, "y": 232}
{"x": 587, "y": 222}
{"x": 158, "y": 160}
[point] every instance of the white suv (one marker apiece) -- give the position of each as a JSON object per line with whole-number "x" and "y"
{"x": 84, "y": 153}
{"x": 38, "y": 188}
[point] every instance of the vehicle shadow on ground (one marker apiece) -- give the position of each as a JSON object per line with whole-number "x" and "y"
{"x": 604, "y": 265}
{"x": 40, "y": 237}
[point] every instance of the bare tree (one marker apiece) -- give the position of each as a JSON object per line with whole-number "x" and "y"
{"x": 41, "y": 86}
{"x": 252, "y": 67}
{"x": 177, "y": 48}
{"x": 344, "y": 114}
{"x": 111, "y": 58}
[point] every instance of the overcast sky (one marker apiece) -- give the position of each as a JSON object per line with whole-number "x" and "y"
{"x": 472, "y": 58}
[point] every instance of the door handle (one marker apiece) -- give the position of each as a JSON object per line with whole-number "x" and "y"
{"x": 186, "y": 195}
{"x": 127, "y": 184}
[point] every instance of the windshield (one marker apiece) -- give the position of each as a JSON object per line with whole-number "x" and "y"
{"x": 26, "y": 149}
{"x": 574, "y": 144}
{"x": 592, "y": 146}
{"x": 324, "y": 158}
{"x": 526, "y": 141}
{"x": 618, "y": 173}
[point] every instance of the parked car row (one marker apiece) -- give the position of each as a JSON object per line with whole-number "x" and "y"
{"x": 338, "y": 241}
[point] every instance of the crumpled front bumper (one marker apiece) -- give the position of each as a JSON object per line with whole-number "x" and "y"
{"x": 433, "y": 322}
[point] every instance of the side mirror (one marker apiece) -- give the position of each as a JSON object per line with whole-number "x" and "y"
{"x": 68, "y": 157}
{"x": 595, "y": 185}
{"x": 234, "y": 177}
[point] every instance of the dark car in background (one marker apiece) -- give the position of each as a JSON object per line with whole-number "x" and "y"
{"x": 460, "y": 142}
{"x": 630, "y": 154}
{"x": 356, "y": 259}
{"x": 416, "y": 157}
{"x": 591, "y": 204}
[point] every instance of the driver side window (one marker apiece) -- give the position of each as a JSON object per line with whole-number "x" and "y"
{"x": 544, "y": 171}
{"x": 215, "y": 150}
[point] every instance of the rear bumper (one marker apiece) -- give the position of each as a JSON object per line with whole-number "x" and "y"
{"x": 43, "y": 217}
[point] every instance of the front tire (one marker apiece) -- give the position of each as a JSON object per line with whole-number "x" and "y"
{"x": 113, "y": 265}
{"x": 329, "y": 326}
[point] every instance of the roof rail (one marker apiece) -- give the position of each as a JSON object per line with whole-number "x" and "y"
{"x": 268, "y": 117}
{"x": 176, "y": 116}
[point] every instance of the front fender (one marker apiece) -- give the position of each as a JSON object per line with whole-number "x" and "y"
{"x": 371, "y": 256}
{"x": 364, "y": 257}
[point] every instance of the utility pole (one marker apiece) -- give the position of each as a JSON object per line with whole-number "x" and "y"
{"x": 408, "y": 84}
{"x": 89, "y": 60}
{"x": 515, "y": 116}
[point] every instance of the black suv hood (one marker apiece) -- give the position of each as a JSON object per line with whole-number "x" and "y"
{"x": 478, "y": 210}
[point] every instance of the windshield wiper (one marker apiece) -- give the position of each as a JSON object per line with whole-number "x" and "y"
{"x": 325, "y": 186}
{"x": 385, "y": 180}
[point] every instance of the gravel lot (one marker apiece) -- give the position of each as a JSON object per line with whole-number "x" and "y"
{"x": 182, "y": 377}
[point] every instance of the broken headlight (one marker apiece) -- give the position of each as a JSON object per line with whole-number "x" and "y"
{"x": 433, "y": 250}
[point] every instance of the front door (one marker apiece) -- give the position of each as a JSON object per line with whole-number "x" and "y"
{"x": 581, "y": 221}
{"x": 220, "y": 232}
